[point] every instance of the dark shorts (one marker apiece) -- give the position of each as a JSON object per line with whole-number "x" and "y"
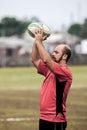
{"x": 46, "y": 125}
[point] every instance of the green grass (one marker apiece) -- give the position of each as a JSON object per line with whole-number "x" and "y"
{"x": 19, "y": 78}
{"x": 19, "y": 97}
{"x": 79, "y": 76}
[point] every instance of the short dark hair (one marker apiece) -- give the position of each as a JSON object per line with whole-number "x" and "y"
{"x": 67, "y": 51}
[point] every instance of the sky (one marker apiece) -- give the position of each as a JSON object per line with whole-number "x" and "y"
{"x": 57, "y": 14}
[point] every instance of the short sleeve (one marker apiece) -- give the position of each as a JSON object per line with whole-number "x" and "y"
{"x": 62, "y": 72}
{"x": 42, "y": 68}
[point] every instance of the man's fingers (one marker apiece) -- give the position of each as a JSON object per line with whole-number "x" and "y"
{"x": 44, "y": 38}
{"x": 38, "y": 31}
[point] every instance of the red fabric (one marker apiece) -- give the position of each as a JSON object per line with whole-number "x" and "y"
{"x": 48, "y": 91}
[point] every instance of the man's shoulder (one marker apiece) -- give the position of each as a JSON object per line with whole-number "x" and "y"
{"x": 63, "y": 70}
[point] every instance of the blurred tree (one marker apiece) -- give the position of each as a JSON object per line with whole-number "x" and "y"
{"x": 75, "y": 29}
{"x": 11, "y": 26}
{"x": 79, "y": 29}
{"x": 84, "y": 30}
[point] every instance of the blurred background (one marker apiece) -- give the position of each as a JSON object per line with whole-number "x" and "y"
{"x": 67, "y": 20}
{"x": 19, "y": 91}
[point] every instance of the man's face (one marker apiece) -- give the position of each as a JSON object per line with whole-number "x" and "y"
{"x": 57, "y": 53}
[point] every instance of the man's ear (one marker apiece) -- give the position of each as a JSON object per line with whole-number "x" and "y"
{"x": 64, "y": 56}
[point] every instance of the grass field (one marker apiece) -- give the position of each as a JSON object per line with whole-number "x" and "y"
{"x": 19, "y": 98}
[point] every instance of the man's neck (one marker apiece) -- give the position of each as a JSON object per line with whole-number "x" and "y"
{"x": 63, "y": 63}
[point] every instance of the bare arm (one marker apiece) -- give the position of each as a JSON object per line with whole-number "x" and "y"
{"x": 45, "y": 56}
{"x": 35, "y": 55}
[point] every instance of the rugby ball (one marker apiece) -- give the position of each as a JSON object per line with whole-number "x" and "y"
{"x": 33, "y": 26}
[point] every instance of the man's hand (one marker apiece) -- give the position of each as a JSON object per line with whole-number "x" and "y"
{"x": 39, "y": 35}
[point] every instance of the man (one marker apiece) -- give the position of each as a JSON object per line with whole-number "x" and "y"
{"x": 55, "y": 87}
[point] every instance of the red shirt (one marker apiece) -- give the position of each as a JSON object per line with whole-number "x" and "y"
{"x": 54, "y": 92}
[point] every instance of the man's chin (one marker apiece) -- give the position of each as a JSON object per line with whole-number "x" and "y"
{"x": 55, "y": 60}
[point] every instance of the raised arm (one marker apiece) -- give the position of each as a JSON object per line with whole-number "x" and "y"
{"x": 35, "y": 56}
{"x": 44, "y": 55}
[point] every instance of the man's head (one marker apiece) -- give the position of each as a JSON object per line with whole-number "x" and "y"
{"x": 61, "y": 53}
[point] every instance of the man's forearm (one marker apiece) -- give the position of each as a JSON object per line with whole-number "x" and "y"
{"x": 35, "y": 54}
{"x": 42, "y": 52}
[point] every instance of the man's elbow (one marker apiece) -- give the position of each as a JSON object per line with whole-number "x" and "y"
{"x": 35, "y": 62}
{"x": 32, "y": 60}
{"x": 49, "y": 62}
{"x": 46, "y": 60}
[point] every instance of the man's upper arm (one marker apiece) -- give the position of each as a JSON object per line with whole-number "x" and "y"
{"x": 49, "y": 63}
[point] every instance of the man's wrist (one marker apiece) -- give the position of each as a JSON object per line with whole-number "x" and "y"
{"x": 38, "y": 42}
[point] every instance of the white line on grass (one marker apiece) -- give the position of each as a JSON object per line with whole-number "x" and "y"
{"x": 19, "y": 119}
{"x": 36, "y": 119}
